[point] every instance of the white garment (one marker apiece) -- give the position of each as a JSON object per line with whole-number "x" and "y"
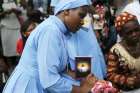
{"x": 133, "y": 8}
{"x": 10, "y": 21}
{"x": 9, "y": 39}
{"x": 9, "y": 31}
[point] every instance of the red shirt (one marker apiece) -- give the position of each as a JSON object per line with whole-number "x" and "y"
{"x": 19, "y": 46}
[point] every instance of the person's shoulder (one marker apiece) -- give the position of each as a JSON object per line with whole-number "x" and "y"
{"x": 47, "y": 27}
{"x": 48, "y": 24}
{"x": 116, "y": 46}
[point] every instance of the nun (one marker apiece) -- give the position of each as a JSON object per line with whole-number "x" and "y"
{"x": 42, "y": 66}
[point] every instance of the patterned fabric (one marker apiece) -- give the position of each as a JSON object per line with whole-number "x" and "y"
{"x": 133, "y": 8}
{"x": 121, "y": 68}
{"x": 122, "y": 19}
{"x": 105, "y": 33}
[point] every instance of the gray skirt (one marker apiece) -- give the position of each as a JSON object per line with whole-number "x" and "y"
{"x": 9, "y": 38}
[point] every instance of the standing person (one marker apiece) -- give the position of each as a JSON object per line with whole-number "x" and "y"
{"x": 10, "y": 32}
{"x": 124, "y": 57}
{"x": 42, "y": 67}
{"x": 34, "y": 18}
{"x": 104, "y": 26}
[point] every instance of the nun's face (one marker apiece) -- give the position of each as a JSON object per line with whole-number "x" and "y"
{"x": 74, "y": 19}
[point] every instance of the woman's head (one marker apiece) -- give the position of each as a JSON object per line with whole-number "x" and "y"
{"x": 72, "y": 12}
{"x": 73, "y": 18}
{"x": 131, "y": 32}
{"x": 35, "y": 16}
{"x": 128, "y": 27}
{"x": 27, "y": 28}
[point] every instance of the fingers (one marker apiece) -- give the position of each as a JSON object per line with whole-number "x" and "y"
{"x": 91, "y": 79}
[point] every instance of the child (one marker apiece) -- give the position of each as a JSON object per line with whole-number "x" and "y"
{"x": 34, "y": 18}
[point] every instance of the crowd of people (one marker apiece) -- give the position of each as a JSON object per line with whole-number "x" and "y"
{"x": 40, "y": 39}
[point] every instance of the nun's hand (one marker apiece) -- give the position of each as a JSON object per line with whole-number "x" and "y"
{"x": 88, "y": 83}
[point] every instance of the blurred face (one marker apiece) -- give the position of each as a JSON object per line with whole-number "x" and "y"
{"x": 132, "y": 33}
{"x": 30, "y": 29}
{"x": 74, "y": 18}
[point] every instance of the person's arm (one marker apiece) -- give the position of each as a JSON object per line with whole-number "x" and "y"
{"x": 2, "y": 14}
{"x": 66, "y": 86}
{"x": 50, "y": 63}
{"x": 86, "y": 85}
{"x": 115, "y": 76}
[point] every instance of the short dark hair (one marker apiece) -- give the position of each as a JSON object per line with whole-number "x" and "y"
{"x": 35, "y": 15}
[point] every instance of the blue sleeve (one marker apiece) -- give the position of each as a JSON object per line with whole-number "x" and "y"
{"x": 63, "y": 85}
{"x": 49, "y": 53}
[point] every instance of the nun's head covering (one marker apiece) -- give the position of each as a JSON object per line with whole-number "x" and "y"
{"x": 69, "y": 4}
